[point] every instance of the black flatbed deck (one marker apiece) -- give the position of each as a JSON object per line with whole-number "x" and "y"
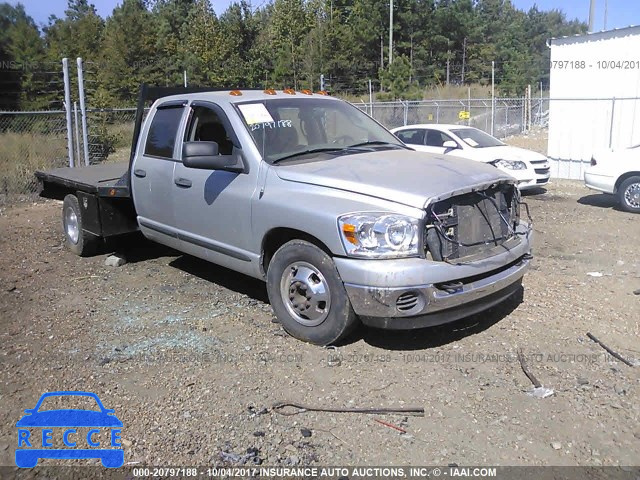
{"x": 97, "y": 179}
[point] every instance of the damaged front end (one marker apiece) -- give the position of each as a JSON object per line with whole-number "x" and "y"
{"x": 476, "y": 252}
{"x": 474, "y": 225}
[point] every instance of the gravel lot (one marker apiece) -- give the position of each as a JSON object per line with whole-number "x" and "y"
{"x": 189, "y": 357}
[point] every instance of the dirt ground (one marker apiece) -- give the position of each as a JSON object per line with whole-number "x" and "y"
{"x": 189, "y": 357}
{"x": 536, "y": 139}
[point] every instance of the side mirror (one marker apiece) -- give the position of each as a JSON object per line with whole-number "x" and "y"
{"x": 205, "y": 156}
{"x": 30, "y": 410}
{"x": 450, "y": 144}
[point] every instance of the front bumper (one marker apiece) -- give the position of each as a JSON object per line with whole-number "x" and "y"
{"x": 415, "y": 292}
{"x": 537, "y": 175}
{"x": 538, "y": 181}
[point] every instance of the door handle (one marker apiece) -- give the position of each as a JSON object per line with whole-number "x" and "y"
{"x": 140, "y": 173}
{"x": 183, "y": 182}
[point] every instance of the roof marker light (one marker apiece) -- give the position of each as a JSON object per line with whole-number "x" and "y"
{"x": 289, "y": 91}
{"x": 270, "y": 91}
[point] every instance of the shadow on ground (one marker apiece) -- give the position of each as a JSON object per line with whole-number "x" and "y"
{"x": 418, "y": 339}
{"x": 599, "y": 200}
{"x": 136, "y": 248}
{"x": 224, "y": 277}
{"x": 534, "y": 191}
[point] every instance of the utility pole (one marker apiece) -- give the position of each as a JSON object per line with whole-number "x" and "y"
{"x": 390, "y": 31}
{"x": 606, "y": 12}
{"x": 448, "y": 59}
{"x": 592, "y": 14}
{"x": 464, "y": 57}
{"x": 493, "y": 93}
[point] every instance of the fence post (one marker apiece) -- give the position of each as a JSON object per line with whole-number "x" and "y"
{"x": 406, "y": 111}
{"x": 506, "y": 115}
{"x": 493, "y": 94}
{"x": 469, "y": 98}
{"x": 528, "y": 107}
{"x": 613, "y": 111}
{"x": 67, "y": 108}
{"x": 437, "y": 113}
{"x": 75, "y": 126}
{"x": 83, "y": 111}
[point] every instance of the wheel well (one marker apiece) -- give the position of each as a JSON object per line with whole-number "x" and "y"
{"x": 623, "y": 177}
{"x": 277, "y": 237}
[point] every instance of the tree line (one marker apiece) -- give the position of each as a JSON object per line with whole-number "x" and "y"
{"x": 277, "y": 44}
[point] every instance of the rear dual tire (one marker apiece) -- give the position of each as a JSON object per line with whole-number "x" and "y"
{"x": 76, "y": 239}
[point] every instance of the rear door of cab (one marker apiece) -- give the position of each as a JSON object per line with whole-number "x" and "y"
{"x": 152, "y": 172}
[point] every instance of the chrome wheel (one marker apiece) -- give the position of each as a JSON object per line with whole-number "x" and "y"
{"x": 71, "y": 225}
{"x": 632, "y": 195}
{"x": 305, "y": 294}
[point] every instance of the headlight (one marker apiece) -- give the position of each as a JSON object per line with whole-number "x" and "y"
{"x": 379, "y": 235}
{"x": 511, "y": 164}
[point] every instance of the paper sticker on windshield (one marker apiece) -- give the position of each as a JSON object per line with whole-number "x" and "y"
{"x": 471, "y": 142}
{"x": 255, "y": 113}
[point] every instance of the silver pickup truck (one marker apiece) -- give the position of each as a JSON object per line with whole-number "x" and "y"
{"x": 342, "y": 220}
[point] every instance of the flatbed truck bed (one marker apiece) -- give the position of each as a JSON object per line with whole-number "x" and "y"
{"x": 97, "y": 179}
{"x": 102, "y": 193}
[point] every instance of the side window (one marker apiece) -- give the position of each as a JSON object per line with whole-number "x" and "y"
{"x": 435, "y": 138}
{"x": 412, "y": 136}
{"x": 163, "y": 131}
{"x": 206, "y": 126}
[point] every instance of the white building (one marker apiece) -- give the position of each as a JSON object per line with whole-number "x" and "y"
{"x": 594, "y": 97}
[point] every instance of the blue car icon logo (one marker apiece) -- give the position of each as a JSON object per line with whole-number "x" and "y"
{"x": 31, "y": 448}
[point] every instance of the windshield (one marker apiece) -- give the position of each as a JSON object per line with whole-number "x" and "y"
{"x": 477, "y": 138}
{"x": 288, "y": 127}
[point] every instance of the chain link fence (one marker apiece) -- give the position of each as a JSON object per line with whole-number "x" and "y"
{"x": 109, "y": 134}
{"x": 510, "y": 115}
{"x": 30, "y": 141}
{"x": 36, "y": 140}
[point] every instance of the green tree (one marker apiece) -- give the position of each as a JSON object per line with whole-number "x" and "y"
{"x": 78, "y": 34}
{"x": 22, "y": 53}
{"x": 395, "y": 78}
{"x": 289, "y": 22}
{"x": 129, "y": 56}
{"x": 172, "y": 20}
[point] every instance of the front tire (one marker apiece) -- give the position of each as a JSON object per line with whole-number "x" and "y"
{"x": 307, "y": 294}
{"x": 629, "y": 194}
{"x": 77, "y": 240}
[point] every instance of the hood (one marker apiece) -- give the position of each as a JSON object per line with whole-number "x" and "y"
{"x": 506, "y": 152}
{"x": 403, "y": 176}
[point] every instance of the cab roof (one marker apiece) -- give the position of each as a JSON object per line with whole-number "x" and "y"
{"x": 241, "y": 96}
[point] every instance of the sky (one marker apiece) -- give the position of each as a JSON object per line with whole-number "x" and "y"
{"x": 621, "y": 13}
